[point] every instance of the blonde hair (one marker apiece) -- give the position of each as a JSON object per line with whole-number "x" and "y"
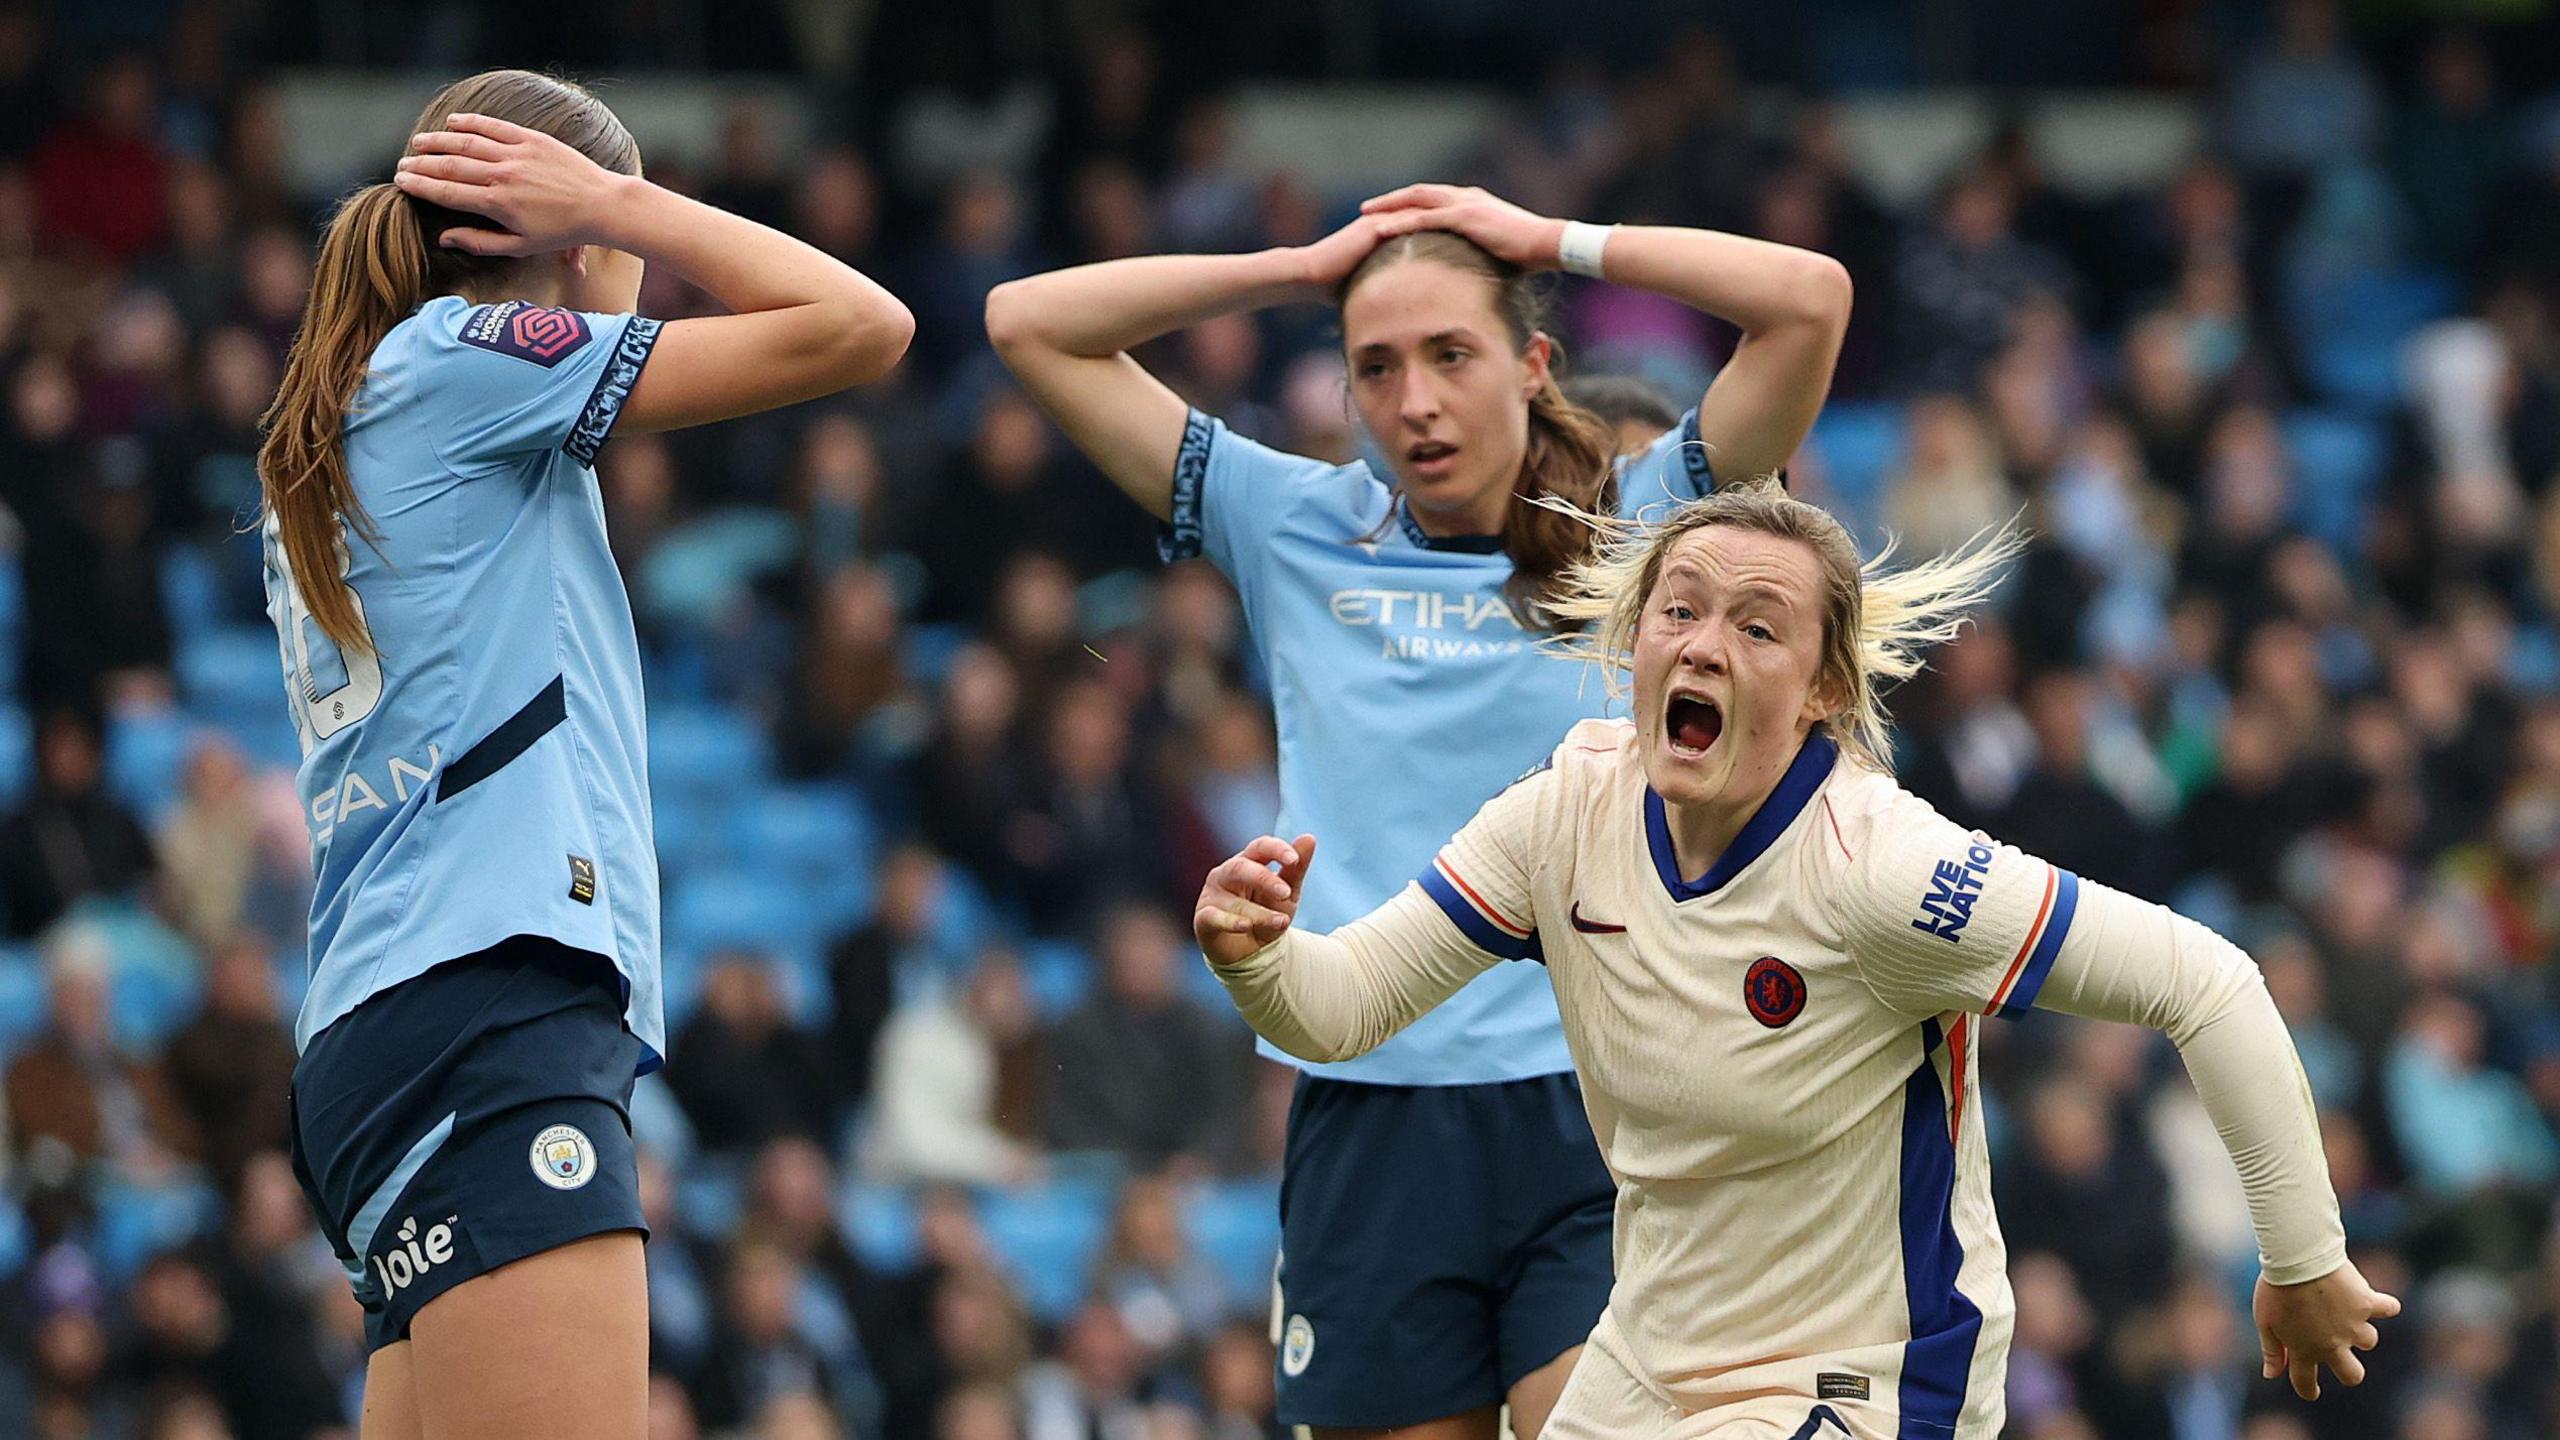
{"x": 1876, "y": 618}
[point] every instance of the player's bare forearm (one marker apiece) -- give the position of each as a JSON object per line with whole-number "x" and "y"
{"x": 755, "y": 269}
{"x": 1793, "y": 309}
{"x": 1114, "y": 305}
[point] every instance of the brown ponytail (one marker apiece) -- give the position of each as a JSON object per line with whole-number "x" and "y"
{"x": 377, "y": 266}
{"x": 371, "y": 274}
{"x": 1572, "y": 453}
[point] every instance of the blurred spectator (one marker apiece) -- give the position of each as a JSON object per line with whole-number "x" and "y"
{"x": 97, "y": 629}
{"x": 1170, "y": 1298}
{"x": 748, "y": 1075}
{"x": 71, "y": 840}
{"x": 760, "y": 1355}
{"x": 1093, "y": 827}
{"x": 276, "y": 1276}
{"x": 849, "y": 683}
{"x": 231, "y": 1068}
{"x": 957, "y": 1094}
{"x": 2461, "y": 1127}
{"x": 1964, "y": 279}
{"x": 1236, "y": 1389}
{"x": 101, "y": 176}
{"x": 1091, "y": 1392}
{"x": 2083, "y": 1191}
{"x": 221, "y": 868}
{"x": 2307, "y": 101}
{"x": 1142, "y": 1070}
{"x": 74, "y": 1090}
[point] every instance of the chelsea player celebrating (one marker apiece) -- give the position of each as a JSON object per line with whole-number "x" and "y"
{"x": 1769, "y": 958}
{"x": 465, "y": 679}
{"x": 1398, "y": 624}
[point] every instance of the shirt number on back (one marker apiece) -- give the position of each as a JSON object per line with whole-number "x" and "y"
{"x": 331, "y": 689}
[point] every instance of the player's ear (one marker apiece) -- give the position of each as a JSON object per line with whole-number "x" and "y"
{"x": 1539, "y": 358}
{"x": 575, "y": 258}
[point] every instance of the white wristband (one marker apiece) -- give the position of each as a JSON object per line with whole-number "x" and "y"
{"x": 1579, "y": 250}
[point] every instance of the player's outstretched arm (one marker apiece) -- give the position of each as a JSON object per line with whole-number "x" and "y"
{"x": 1791, "y": 305}
{"x": 2129, "y": 959}
{"x": 802, "y": 324}
{"x": 1330, "y": 997}
{"x": 1066, "y": 336}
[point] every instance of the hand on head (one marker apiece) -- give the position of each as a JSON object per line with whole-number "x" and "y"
{"x": 1505, "y": 230}
{"x": 543, "y": 194}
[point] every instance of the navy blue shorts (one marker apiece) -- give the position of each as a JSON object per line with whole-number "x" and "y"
{"x": 1438, "y": 1243}
{"x": 475, "y": 1115}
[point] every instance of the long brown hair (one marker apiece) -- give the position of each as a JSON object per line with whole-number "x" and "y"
{"x": 378, "y": 263}
{"x": 1572, "y": 453}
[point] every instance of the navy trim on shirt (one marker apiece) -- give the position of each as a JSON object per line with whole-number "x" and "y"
{"x": 1694, "y": 459}
{"x": 515, "y": 735}
{"x": 613, "y": 387}
{"x": 1454, "y": 544}
{"x": 1794, "y": 791}
{"x": 1180, "y": 537}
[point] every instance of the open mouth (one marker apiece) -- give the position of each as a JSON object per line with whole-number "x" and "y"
{"x": 1692, "y": 723}
{"x": 1430, "y": 454}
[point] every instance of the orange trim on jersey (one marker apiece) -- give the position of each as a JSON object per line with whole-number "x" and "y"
{"x": 1833, "y": 816}
{"x": 1483, "y": 906}
{"x": 1955, "y": 1075}
{"x": 2027, "y": 946}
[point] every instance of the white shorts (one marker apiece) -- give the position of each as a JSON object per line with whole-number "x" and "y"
{"x": 1608, "y": 1400}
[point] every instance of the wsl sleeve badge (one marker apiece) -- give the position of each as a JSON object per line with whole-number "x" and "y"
{"x": 563, "y": 1157}
{"x": 539, "y": 333}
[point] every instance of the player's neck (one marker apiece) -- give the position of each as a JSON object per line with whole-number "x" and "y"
{"x": 1700, "y": 834}
{"x": 1480, "y": 517}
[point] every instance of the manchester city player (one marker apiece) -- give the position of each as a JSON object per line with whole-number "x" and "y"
{"x": 1398, "y": 621}
{"x": 462, "y": 669}
{"x": 1769, "y": 959}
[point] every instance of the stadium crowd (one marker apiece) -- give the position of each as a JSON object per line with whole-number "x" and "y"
{"x": 955, "y": 1140}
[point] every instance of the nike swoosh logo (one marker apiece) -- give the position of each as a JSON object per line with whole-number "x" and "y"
{"x": 1594, "y": 927}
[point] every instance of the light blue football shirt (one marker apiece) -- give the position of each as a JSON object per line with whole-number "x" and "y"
{"x": 484, "y": 773}
{"x": 1406, "y": 696}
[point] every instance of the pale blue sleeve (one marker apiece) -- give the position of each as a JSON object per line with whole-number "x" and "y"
{"x": 511, "y": 379}
{"x": 1674, "y": 468}
{"x": 1229, "y": 494}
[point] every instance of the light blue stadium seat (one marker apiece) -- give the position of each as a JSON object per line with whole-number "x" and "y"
{"x": 136, "y": 1222}
{"x": 147, "y": 754}
{"x": 17, "y": 1239}
{"x": 151, "y": 1003}
{"x": 2350, "y": 331}
{"x": 17, "y": 754}
{"x": 1235, "y": 1225}
{"x": 2338, "y": 460}
{"x": 22, "y": 999}
{"x": 882, "y": 1223}
{"x": 234, "y": 661}
{"x": 1060, "y": 974}
{"x": 931, "y": 648}
{"x": 191, "y": 590}
{"x": 711, "y": 1197}
{"x": 1049, "y": 1236}
{"x": 705, "y": 749}
{"x": 1859, "y": 444}
{"x": 726, "y": 907}
{"x": 817, "y": 837}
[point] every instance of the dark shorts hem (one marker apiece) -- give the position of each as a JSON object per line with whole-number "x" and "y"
{"x": 465, "y": 1119}
{"x": 1438, "y": 1243}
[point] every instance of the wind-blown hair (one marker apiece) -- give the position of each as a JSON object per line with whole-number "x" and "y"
{"x": 1877, "y": 618}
